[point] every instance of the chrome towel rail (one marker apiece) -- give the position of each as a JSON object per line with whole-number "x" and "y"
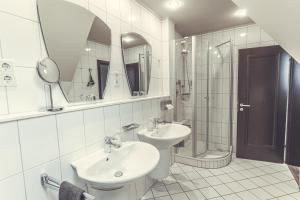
{"x": 49, "y": 181}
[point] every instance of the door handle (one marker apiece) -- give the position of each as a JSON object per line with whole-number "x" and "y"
{"x": 244, "y": 105}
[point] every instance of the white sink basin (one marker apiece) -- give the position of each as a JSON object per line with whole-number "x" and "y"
{"x": 163, "y": 138}
{"x": 165, "y": 135}
{"x": 104, "y": 171}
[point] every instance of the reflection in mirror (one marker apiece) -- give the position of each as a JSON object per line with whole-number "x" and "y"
{"x": 80, "y": 43}
{"x": 137, "y": 58}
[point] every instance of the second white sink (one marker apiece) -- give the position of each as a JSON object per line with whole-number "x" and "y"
{"x": 165, "y": 135}
{"x": 163, "y": 138}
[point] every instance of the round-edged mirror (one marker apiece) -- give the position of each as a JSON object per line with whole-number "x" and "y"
{"x": 137, "y": 59}
{"x": 48, "y": 70}
{"x": 79, "y": 43}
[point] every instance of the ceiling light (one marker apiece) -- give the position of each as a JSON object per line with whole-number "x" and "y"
{"x": 127, "y": 39}
{"x": 243, "y": 34}
{"x": 88, "y": 49}
{"x": 241, "y": 13}
{"x": 173, "y": 4}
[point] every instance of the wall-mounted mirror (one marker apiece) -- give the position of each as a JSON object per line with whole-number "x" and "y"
{"x": 80, "y": 43}
{"x": 137, "y": 58}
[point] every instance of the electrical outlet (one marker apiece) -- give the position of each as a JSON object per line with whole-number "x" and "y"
{"x": 9, "y": 80}
{"x": 6, "y": 66}
{"x": 7, "y": 73}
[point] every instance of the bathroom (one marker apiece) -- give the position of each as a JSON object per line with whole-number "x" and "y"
{"x": 149, "y": 99}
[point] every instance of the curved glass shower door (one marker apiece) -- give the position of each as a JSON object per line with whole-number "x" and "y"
{"x": 211, "y": 98}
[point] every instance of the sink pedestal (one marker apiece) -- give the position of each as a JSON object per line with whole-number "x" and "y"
{"x": 162, "y": 169}
{"x": 116, "y": 194}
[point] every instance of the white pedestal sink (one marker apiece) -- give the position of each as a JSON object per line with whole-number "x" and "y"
{"x": 163, "y": 138}
{"x": 108, "y": 175}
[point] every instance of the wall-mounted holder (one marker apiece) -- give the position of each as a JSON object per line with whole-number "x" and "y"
{"x": 48, "y": 71}
{"x": 49, "y": 181}
{"x": 166, "y": 105}
{"x": 130, "y": 127}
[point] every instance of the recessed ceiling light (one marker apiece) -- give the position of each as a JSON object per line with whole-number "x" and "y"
{"x": 127, "y": 39}
{"x": 241, "y": 13}
{"x": 243, "y": 34}
{"x": 173, "y": 4}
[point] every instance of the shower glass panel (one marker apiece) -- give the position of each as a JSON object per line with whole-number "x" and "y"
{"x": 212, "y": 123}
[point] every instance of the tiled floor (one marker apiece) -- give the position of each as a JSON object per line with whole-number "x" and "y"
{"x": 241, "y": 180}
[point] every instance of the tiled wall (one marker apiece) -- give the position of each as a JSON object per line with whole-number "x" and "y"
{"x": 21, "y": 41}
{"x": 49, "y": 144}
{"x": 242, "y": 37}
{"x": 77, "y": 89}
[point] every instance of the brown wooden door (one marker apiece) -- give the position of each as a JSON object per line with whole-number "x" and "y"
{"x": 262, "y": 93}
{"x": 293, "y": 134}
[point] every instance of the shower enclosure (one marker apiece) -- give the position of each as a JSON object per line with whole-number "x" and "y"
{"x": 204, "y": 99}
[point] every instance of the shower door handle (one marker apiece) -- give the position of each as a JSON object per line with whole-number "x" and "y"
{"x": 242, "y": 106}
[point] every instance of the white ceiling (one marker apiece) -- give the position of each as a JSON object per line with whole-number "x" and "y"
{"x": 199, "y": 16}
{"x": 279, "y": 18}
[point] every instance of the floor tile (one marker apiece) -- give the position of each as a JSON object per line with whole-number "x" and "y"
{"x": 274, "y": 191}
{"x": 174, "y": 188}
{"x": 159, "y": 191}
{"x": 223, "y": 190}
{"x": 148, "y": 195}
{"x": 181, "y": 196}
{"x": 225, "y": 178}
{"x": 195, "y": 195}
{"x": 242, "y": 180}
{"x": 261, "y": 194}
{"x": 193, "y": 175}
{"x": 247, "y": 184}
{"x": 200, "y": 183}
{"x": 213, "y": 181}
{"x": 235, "y": 187}
{"x": 237, "y": 176}
{"x": 187, "y": 186}
{"x": 209, "y": 192}
{"x": 247, "y": 196}
{"x": 231, "y": 197}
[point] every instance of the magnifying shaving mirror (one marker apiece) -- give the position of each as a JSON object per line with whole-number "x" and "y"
{"x": 48, "y": 71}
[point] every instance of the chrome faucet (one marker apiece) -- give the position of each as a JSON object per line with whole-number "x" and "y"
{"x": 154, "y": 123}
{"x": 110, "y": 142}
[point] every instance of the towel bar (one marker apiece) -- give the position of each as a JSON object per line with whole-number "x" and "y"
{"x": 47, "y": 180}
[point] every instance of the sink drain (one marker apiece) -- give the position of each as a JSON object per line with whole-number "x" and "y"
{"x": 118, "y": 174}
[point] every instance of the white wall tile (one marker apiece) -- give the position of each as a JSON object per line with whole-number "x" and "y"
{"x": 13, "y": 188}
{"x": 94, "y": 126}
{"x": 125, "y": 10}
{"x": 21, "y": 46}
{"x": 68, "y": 173}
{"x": 10, "y": 154}
{"x": 137, "y": 112}
{"x": 34, "y": 189}
{"x": 3, "y": 101}
{"x": 39, "y": 142}
{"x": 19, "y": 99}
{"x": 147, "y": 111}
{"x": 24, "y": 8}
{"x": 115, "y": 26}
{"x": 113, "y": 7}
{"x": 253, "y": 34}
{"x": 99, "y": 3}
{"x": 126, "y": 114}
{"x": 112, "y": 120}
{"x": 70, "y": 132}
